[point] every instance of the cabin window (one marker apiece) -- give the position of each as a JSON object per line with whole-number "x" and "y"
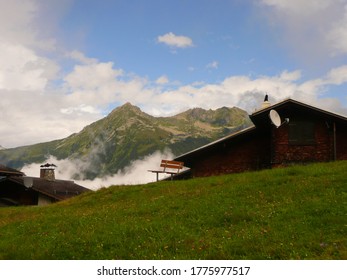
{"x": 301, "y": 133}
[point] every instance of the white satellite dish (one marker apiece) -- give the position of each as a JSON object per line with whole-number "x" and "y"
{"x": 28, "y": 181}
{"x": 275, "y": 118}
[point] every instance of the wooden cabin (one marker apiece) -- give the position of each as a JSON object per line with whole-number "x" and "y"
{"x": 306, "y": 134}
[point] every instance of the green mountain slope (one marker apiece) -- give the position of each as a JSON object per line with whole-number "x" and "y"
{"x": 290, "y": 213}
{"x": 127, "y": 134}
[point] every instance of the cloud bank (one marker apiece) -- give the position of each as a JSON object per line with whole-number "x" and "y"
{"x": 135, "y": 173}
{"x": 315, "y": 29}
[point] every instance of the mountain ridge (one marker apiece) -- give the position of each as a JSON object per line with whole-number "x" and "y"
{"x": 126, "y": 134}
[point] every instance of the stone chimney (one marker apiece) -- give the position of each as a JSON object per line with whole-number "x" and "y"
{"x": 47, "y": 171}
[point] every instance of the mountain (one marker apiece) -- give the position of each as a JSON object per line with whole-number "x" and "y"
{"x": 126, "y": 134}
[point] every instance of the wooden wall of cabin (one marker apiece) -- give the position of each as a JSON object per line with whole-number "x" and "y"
{"x": 18, "y": 193}
{"x": 242, "y": 154}
{"x": 271, "y": 147}
{"x": 319, "y": 149}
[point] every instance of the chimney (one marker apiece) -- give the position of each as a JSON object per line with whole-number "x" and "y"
{"x": 266, "y": 102}
{"x": 47, "y": 171}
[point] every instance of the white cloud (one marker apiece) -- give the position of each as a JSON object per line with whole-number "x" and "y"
{"x": 290, "y": 76}
{"x": 247, "y": 92}
{"x": 312, "y": 28}
{"x": 80, "y": 57}
{"x": 162, "y": 80}
{"x": 91, "y": 76}
{"x": 80, "y": 109}
{"x": 337, "y": 36}
{"x": 22, "y": 69}
{"x": 298, "y": 6}
{"x": 177, "y": 41}
{"x": 31, "y": 22}
{"x": 212, "y": 65}
{"x": 16, "y": 21}
{"x": 29, "y": 117}
{"x": 95, "y": 85}
{"x": 337, "y": 76}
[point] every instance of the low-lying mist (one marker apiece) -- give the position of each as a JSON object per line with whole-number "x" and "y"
{"x": 135, "y": 173}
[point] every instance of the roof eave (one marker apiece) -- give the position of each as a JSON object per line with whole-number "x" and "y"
{"x": 254, "y": 115}
{"x": 241, "y": 132}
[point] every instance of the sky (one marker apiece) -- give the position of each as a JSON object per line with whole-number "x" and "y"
{"x": 67, "y": 63}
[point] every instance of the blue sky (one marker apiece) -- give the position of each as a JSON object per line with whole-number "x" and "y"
{"x": 68, "y": 63}
{"x": 238, "y": 35}
{"x": 226, "y": 32}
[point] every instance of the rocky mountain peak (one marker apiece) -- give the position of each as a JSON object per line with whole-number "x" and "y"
{"x": 126, "y": 108}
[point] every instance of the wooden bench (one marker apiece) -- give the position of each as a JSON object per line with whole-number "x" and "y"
{"x": 168, "y": 167}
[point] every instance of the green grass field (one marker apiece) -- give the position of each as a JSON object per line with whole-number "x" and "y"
{"x": 291, "y": 213}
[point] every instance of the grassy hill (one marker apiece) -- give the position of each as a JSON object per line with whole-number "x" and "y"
{"x": 292, "y": 213}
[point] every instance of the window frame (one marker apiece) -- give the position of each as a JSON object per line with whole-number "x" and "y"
{"x": 302, "y": 133}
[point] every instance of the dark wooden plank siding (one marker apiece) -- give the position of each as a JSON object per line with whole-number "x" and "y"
{"x": 285, "y": 152}
{"x": 243, "y": 154}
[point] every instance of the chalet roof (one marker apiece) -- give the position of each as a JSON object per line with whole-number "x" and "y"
{"x": 7, "y": 171}
{"x": 57, "y": 189}
{"x": 298, "y": 107}
{"x": 240, "y": 133}
{"x": 262, "y": 116}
